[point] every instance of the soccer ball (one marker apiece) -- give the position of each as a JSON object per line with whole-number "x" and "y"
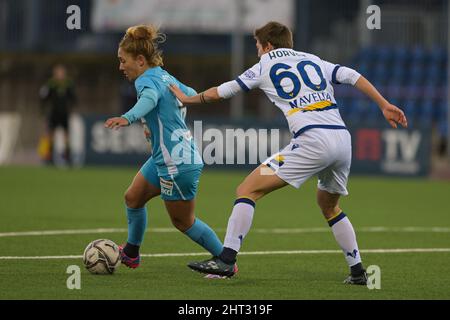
{"x": 101, "y": 256}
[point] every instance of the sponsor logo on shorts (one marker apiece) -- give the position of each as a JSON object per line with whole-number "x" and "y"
{"x": 166, "y": 187}
{"x": 278, "y": 160}
{"x": 273, "y": 165}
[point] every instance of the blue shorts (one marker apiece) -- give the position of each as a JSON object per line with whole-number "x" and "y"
{"x": 182, "y": 186}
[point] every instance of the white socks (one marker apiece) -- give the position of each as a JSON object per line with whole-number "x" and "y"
{"x": 346, "y": 238}
{"x": 241, "y": 220}
{"x": 239, "y": 223}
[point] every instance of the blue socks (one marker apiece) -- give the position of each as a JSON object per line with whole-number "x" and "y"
{"x": 137, "y": 224}
{"x": 201, "y": 233}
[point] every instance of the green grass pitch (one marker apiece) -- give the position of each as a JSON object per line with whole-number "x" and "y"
{"x": 46, "y": 199}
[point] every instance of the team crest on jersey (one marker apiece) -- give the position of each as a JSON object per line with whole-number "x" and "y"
{"x": 166, "y": 186}
{"x": 166, "y": 78}
{"x": 249, "y": 74}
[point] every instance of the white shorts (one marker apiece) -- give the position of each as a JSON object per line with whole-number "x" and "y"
{"x": 325, "y": 152}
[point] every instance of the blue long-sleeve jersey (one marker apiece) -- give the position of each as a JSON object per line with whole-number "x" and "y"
{"x": 173, "y": 147}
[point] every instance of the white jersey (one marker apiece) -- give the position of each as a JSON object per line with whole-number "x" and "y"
{"x": 298, "y": 83}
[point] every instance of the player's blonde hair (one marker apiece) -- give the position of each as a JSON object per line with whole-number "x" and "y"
{"x": 144, "y": 40}
{"x": 275, "y": 33}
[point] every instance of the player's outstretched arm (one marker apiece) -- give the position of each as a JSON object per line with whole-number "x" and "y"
{"x": 146, "y": 103}
{"x": 209, "y": 95}
{"x": 392, "y": 114}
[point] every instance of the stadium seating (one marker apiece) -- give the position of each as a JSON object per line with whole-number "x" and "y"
{"x": 414, "y": 78}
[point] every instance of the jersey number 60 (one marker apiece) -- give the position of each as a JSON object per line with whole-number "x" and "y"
{"x": 278, "y": 77}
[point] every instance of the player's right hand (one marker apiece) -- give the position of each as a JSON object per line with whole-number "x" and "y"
{"x": 394, "y": 115}
{"x": 116, "y": 123}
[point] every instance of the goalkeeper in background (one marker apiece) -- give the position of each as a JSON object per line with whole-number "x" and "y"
{"x": 58, "y": 97}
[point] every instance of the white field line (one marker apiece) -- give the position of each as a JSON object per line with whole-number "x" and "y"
{"x": 161, "y": 255}
{"x": 268, "y": 231}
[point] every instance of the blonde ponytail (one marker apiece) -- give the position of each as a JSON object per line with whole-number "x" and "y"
{"x": 144, "y": 40}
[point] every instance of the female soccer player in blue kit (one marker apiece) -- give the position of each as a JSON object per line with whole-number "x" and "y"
{"x": 167, "y": 173}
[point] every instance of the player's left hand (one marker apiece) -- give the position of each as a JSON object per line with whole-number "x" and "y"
{"x": 178, "y": 93}
{"x": 394, "y": 115}
{"x": 116, "y": 123}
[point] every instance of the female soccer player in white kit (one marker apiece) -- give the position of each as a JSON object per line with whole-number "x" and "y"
{"x": 300, "y": 84}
